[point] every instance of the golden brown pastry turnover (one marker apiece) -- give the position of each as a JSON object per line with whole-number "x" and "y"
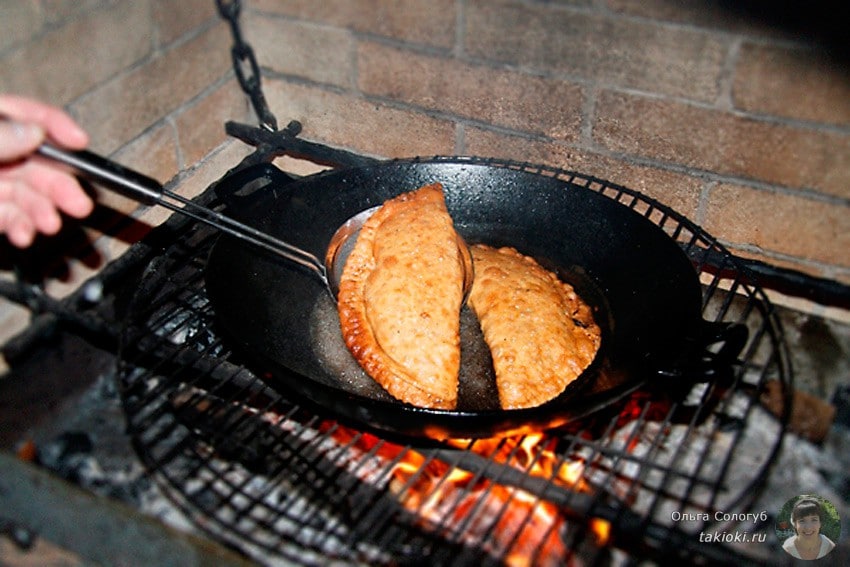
{"x": 400, "y": 297}
{"x": 541, "y": 334}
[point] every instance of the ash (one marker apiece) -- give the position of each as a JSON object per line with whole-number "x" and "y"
{"x": 90, "y": 447}
{"x": 87, "y": 444}
{"x": 696, "y": 479}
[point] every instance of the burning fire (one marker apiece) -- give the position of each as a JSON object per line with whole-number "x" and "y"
{"x": 468, "y": 507}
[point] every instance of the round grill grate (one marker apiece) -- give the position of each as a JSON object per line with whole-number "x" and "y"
{"x": 282, "y": 481}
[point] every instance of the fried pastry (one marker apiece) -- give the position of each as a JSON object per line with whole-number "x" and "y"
{"x": 400, "y": 297}
{"x": 540, "y": 333}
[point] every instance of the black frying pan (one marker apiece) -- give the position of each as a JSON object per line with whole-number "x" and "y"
{"x": 645, "y": 293}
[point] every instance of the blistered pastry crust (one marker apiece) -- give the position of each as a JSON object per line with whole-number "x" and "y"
{"x": 541, "y": 335}
{"x": 400, "y": 297}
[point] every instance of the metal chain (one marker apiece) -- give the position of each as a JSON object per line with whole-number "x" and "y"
{"x": 267, "y": 139}
{"x": 245, "y": 64}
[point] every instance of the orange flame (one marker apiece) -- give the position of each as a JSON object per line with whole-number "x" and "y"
{"x": 503, "y": 520}
{"x": 601, "y": 530}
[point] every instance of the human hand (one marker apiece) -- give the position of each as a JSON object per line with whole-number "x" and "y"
{"x": 34, "y": 191}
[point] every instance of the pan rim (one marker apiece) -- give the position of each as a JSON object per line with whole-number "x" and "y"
{"x": 498, "y": 418}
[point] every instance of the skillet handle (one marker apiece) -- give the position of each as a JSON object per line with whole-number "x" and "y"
{"x": 712, "y": 353}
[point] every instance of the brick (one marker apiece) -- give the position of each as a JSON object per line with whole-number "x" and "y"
{"x": 153, "y": 154}
{"x": 316, "y": 52}
{"x": 19, "y": 20}
{"x": 67, "y": 62}
{"x": 13, "y": 320}
{"x": 724, "y": 16}
{"x": 783, "y": 223}
{"x": 429, "y": 22}
{"x": 127, "y": 234}
{"x": 173, "y": 18}
{"x": 578, "y": 3}
{"x": 66, "y": 260}
{"x": 360, "y": 125}
{"x": 126, "y": 106}
{"x": 190, "y": 184}
{"x": 216, "y": 165}
{"x": 196, "y": 180}
{"x": 200, "y": 128}
{"x": 504, "y": 98}
{"x": 58, "y": 10}
{"x": 678, "y": 191}
{"x": 795, "y": 83}
{"x": 77, "y": 272}
{"x": 724, "y": 143}
{"x": 617, "y": 51}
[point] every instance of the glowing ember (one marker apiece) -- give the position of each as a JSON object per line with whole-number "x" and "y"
{"x": 469, "y": 508}
{"x": 601, "y": 530}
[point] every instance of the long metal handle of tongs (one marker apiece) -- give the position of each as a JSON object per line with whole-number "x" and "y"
{"x": 149, "y": 191}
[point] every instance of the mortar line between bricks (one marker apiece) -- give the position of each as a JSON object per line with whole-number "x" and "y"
{"x": 460, "y": 29}
{"x": 702, "y": 201}
{"x": 585, "y": 144}
{"x": 721, "y": 104}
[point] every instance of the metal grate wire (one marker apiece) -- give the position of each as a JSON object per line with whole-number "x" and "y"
{"x": 281, "y": 481}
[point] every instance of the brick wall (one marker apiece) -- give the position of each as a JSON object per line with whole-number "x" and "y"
{"x": 742, "y": 125}
{"x": 151, "y": 82}
{"x": 740, "y": 121}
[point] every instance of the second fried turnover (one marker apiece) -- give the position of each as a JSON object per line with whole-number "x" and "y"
{"x": 541, "y": 334}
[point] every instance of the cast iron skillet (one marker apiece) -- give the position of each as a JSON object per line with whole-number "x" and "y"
{"x": 644, "y": 291}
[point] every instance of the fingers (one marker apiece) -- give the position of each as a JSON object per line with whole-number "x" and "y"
{"x": 16, "y": 225}
{"x": 24, "y": 212}
{"x": 18, "y": 139}
{"x": 57, "y": 125}
{"x": 61, "y": 189}
{"x": 70, "y": 198}
{"x": 31, "y": 197}
{"x": 33, "y": 192}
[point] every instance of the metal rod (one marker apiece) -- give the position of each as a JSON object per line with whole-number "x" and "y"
{"x": 148, "y": 191}
{"x": 243, "y": 232}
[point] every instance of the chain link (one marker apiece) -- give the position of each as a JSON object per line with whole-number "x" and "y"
{"x": 245, "y": 64}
